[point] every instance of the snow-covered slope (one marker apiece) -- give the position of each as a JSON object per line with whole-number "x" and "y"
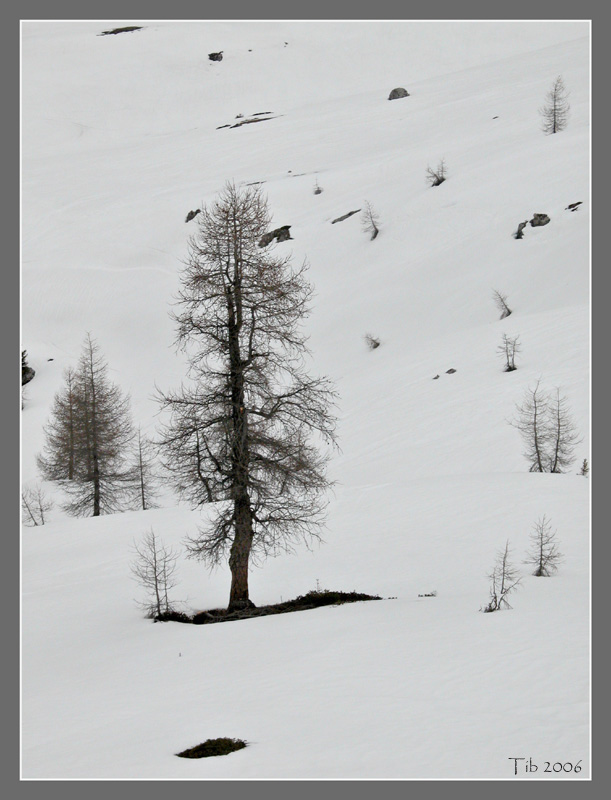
{"x": 121, "y": 138}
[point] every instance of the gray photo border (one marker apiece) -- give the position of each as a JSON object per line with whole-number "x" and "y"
{"x": 272, "y": 9}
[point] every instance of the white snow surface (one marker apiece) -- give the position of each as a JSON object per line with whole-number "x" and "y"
{"x": 120, "y": 139}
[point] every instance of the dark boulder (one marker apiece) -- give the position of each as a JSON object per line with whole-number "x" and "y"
{"x": 216, "y": 56}
{"x": 539, "y": 219}
{"x": 450, "y": 371}
{"x": 397, "y": 93}
{"x": 192, "y": 214}
{"x": 281, "y": 234}
{"x": 574, "y": 206}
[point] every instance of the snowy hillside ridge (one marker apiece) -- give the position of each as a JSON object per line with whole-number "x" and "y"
{"x": 121, "y": 141}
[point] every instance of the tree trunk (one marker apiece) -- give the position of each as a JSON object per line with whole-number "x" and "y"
{"x": 96, "y": 486}
{"x": 240, "y": 555}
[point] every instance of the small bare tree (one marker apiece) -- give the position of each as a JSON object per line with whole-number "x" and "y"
{"x": 370, "y": 221}
{"x": 88, "y": 439}
{"x": 548, "y": 431}
{"x": 543, "y": 554}
{"x": 146, "y": 480}
{"x": 563, "y": 434}
{"x": 585, "y": 468}
{"x": 435, "y": 177}
{"x": 154, "y": 568}
{"x": 504, "y": 580}
{"x": 508, "y": 349}
{"x": 501, "y": 303}
{"x": 35, "y": 506}
{"x": 532, "y": 424}
{"x": 371, "y": 341}
{"x": 555, "y": 112}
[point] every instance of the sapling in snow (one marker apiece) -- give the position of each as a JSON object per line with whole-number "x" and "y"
{"x": 543, "y": 554}
{"x": 154, "y": 568}
{"x": 508, "y": 349}
{"x": 501, "y": 303}
{"x": 371, "y": 221}
{"x": 504, "y": 579}
{"x": 35, "y": 506}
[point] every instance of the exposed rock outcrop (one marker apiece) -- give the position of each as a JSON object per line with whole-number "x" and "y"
{"x": 397, "y": 93}
{"x": 279, "y": 234}
{"x": 539, "y": 219}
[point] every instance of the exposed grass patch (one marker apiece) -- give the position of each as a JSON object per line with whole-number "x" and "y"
{"x": 171, "y": 616}
{"x": 313, "y": 599}
{"x": 126, "y": 29}
{"x": 213, "y": 747}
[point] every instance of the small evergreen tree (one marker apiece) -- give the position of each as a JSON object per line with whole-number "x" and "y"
{"x": 27, "y": 373}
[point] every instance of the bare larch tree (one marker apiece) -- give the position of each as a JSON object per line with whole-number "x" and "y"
{"x": 555, "y": 112}
{"x": 35, "y": 506}
{"x": 562, "y": 434}
{"x": 548, "y": 431}
{"x": 436, "y": 176}
{"x": 248, "y": 430}
{"x": 501, "y": 303}
{"x": 146, "y": 479}
{"x": 57, "y": 460}
{"x": 508, "y": 349}
{"x": 504, "y": 579}
{"x": 543, "y": 554}
{"x": 532, "y": 422}
{"x": 370, "y": 221}
{"x": 88, "y": 439}
{"x": 154, "y": 568}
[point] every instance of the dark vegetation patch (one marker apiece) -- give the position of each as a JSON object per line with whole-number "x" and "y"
{"x": 171, "y": 616}
{"x": 341, "y": 219}
{"x": 313, "y": 599}
{"x": 213, "y": 747}
{"x": 127, "y": 29}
